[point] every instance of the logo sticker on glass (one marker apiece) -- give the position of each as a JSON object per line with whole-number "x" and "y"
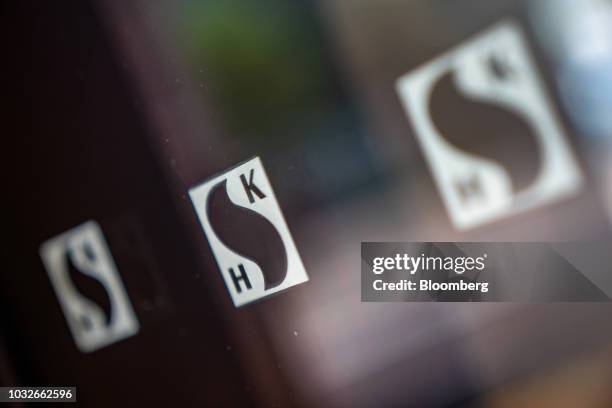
{"x": 487, "y": 129}
{"x": 79, "y": 259}
{"x": 247, "y": 233}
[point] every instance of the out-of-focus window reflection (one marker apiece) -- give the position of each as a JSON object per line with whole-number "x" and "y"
{"x": 577, "y": 35}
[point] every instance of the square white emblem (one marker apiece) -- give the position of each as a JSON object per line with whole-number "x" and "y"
{"x": 82, "y": 255}
{"x": 488, "y": 130}
{"x": 247, "y": 233}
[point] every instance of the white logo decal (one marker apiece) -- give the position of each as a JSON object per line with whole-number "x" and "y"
{"x": 82, "y": 253}
{"x": 487, "y": 129}
{"x": 247, "y": 233}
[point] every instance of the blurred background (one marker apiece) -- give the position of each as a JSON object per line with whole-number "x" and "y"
{"x": 127, "y": 105}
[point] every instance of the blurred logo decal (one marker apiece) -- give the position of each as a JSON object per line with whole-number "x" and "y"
{"x": 79, "y": 263}
{"x": 487, "y": 129}
{"x": 247, "y": 233}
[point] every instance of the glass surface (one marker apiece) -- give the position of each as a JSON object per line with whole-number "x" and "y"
{"x": 311, "y": 88}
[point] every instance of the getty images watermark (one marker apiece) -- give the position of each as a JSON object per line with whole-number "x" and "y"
{"x": 484, "y": 272}
{"x": 422, "y": 263}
